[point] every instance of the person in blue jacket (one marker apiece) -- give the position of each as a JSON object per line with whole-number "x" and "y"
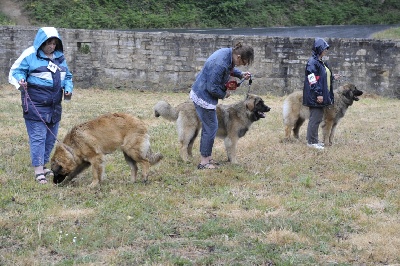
{"x": 42, "y": 75}
{"x": 318, "y": 90}
{"x": 212, "y": 83}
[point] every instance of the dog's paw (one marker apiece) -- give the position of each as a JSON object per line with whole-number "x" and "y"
{"x": 94, "y": 184}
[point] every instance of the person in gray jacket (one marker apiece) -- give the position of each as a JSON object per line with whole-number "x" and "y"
{"x": 318, "y": 90}
{"x": 212, "y": 83}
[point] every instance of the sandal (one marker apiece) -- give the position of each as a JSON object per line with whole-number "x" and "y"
{"x": 41, "y": 178}
{"x": 214, "y": 162}
{"x": 48, "y": 172}
{"x": 206, "y": 166}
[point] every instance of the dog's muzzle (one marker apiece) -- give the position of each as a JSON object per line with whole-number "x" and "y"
{"x": 58, "y": 177}
{"x": 356, "y": 94}
{"x": 261, "y": 114}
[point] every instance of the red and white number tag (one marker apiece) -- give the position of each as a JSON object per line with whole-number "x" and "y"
{"x": 312, "y": 79}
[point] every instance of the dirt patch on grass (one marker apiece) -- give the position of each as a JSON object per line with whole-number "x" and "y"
{"x": 13, "y": 10}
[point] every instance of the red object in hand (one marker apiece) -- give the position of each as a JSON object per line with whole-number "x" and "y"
{"x": 231, "y": 85}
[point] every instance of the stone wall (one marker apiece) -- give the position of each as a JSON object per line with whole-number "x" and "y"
{"x": 162, "y": 61}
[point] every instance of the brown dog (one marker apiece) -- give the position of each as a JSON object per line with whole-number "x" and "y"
{"x": 295, "y": 113}
{"x": 88, "y": 143}
{"x": 233, "y": 122}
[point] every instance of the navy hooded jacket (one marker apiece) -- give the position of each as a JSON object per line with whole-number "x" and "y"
{"x": 316, "y": 80}
{"x": 45, "y": 87}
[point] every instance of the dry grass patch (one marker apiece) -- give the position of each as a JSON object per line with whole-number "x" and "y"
{"x": 282, "y": 204}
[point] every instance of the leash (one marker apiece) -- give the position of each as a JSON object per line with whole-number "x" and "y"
{"x": 250, "y": 82}
{"x": 26, "y": 98}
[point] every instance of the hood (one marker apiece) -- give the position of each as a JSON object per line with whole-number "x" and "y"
{"x": 319, "y": 46}
{"x": 44, "y": 34}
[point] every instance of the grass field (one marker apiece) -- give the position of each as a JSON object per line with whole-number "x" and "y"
{"x": 282, "y": 204}
{"x": 392, "y": 33}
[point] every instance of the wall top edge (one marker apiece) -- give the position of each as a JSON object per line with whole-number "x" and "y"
{"x": 192, "y": 35}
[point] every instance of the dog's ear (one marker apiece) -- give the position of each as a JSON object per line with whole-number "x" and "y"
{"x": 63, "y": 151}
{"x": 250, "y": 104}
{"x": 348, "y": 94}
{"x": 68, "y": 150}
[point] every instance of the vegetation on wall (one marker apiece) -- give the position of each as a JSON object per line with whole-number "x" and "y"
{"x": 129, "y": 14}
{"x": 4, "y": 20}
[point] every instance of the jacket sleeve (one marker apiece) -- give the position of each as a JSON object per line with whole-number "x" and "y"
{"x": 68, "y": 84}
{"x": 237, "y": 73}
{"x": 18, "y": 71}
{"x": 313, "y": 76}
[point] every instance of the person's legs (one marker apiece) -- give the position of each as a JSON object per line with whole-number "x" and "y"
{"x": 37, "y": 138}
{"x": 209, "y": 129}
{"x": 51, "y": 137}
{"x": 316, "y": 115}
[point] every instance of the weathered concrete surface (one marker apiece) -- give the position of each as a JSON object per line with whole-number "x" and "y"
{"x": 162, "y": 61}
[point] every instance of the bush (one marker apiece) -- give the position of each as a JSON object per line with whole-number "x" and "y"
{"x": 120, "y": 14}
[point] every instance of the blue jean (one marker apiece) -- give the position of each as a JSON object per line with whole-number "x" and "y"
{"x": 209, "y": 121}
{"x": 41, "y": 140}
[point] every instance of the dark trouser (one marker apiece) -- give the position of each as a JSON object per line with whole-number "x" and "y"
{"x": 316, "y": 115}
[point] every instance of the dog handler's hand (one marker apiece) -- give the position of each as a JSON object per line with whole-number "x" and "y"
{"x": 23, "y": 83}
{"x": 320, "y": 99}
{"x": 336, "y": 76}
{"x": 246, "y": 75}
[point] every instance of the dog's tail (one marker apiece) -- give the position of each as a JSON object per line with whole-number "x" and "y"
{"x": 165, "y": 110}
{"x": 286, "y": 110}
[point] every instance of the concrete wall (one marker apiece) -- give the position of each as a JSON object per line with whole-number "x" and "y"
{"x": 163, "y": 61}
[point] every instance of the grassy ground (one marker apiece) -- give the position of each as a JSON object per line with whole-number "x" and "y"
{"x": 392, "y": 33}
{"x": 282, "y": 204}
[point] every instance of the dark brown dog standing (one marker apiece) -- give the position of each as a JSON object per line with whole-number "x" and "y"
{"x": 88, "y": 143}
{"x": 295, "y": 113}
{"x": 234, "y": 121}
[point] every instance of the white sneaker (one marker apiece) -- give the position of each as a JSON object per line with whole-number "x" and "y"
{"x": 315, "y": 146}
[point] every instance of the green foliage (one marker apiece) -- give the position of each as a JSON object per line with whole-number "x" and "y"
{"x": 4, "y": 20}
{"x": 120, "y": 14}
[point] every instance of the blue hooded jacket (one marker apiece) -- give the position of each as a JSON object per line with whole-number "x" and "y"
{"x": 210, "y": 82}
{"x": 45, "y": 86}
{"x": 316, "y": 80}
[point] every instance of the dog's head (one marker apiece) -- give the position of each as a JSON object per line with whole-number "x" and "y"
{"x": 350, "y": 92}
{"x": 256, "y": 106}
{"x": 62, "y": 162}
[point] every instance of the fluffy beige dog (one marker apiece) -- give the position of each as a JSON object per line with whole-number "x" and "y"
{"x": 88, "y": 143}
{"x": 295, "y": 113}
{"x": 234, "y": 121}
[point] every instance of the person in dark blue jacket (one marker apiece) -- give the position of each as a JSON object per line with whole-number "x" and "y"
{"x": 318, "y": 90}
{"x": 212, "y": 83}
{"x": 42, "y": 75}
